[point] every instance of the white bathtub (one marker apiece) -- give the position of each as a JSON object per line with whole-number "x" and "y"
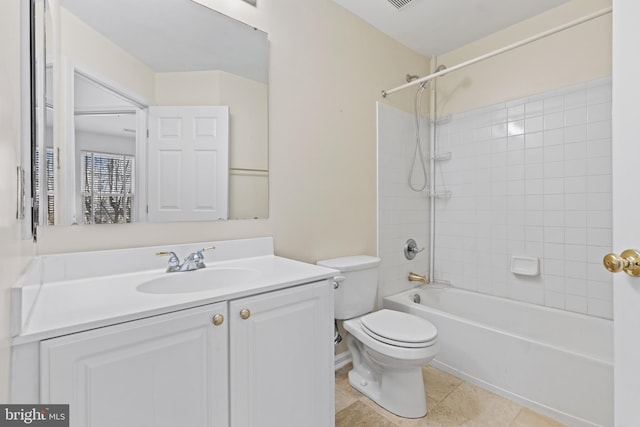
{"x": 555, "y": 362}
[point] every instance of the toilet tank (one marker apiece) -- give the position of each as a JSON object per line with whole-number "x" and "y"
{"x": 356, "y": 293}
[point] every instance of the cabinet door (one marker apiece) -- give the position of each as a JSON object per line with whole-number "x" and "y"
{"x": 281, "y": 358}
{"x": 164, "y": 371}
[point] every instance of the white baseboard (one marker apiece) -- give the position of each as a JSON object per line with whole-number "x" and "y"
{"x": 342, "y": 359}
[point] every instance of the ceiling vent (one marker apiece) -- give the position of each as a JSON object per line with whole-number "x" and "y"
{"x": 399, "y": 4}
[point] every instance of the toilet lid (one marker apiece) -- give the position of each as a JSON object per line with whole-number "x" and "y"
{"x": 398, "y": 328}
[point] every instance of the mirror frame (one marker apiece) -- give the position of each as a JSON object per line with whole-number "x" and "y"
{"x": 30, "y": 143}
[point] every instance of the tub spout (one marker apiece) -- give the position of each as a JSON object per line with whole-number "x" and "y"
{"x": 413, "y": 277}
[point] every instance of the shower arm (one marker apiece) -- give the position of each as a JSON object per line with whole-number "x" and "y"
{"x": 512, "y": 46}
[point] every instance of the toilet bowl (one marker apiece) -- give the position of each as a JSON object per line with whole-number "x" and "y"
{"x": 388, "y": 368}
{"x": 388, "y": 348}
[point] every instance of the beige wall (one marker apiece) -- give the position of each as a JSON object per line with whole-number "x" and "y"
{"x": 248, "y": 128}
{"x": 572, "y": 56}
{"x": 247, "y": 100}
{"x": 84, "y": 47}
{"x": 327, "y": 69}
{"x": 14, "y": 252}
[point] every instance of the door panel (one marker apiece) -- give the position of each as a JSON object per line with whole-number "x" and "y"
{"x": 625, "y": 155}
{"x": 188, "y": 163}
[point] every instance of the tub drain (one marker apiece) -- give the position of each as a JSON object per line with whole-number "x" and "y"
{"x": 416, "y": 298}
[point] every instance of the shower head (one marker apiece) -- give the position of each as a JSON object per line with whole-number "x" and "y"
{"x": 440, "y": 68}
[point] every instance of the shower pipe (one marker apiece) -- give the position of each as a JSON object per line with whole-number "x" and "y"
{"x": 501, "y": 50}
{"x": 432, "y": 173}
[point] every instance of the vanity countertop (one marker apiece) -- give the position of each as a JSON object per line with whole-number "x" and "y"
{"x": 54, "y": 308}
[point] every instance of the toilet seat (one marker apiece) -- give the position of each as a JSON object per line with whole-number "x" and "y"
{"x": 399, "y": 329}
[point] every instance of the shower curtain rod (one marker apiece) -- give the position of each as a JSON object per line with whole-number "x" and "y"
{"x": 501, "y": 50}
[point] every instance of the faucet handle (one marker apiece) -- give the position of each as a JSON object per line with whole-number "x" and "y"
{"x": 199, "y": 258}
{"x": 174, "y": 261}
{"x": 411, "y": 249}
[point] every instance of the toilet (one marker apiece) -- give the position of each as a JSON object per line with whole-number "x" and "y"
{"x": 388, "y": 348}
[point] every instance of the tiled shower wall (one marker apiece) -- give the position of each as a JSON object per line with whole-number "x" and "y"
{"x": 402, "y": 213}
{"x": 530, "y": 177}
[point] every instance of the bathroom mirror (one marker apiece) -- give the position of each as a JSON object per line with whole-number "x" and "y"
{"x": 154, "y": 111}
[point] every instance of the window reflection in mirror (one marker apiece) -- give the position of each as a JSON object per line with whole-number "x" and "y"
{"x": 104, "y": 157}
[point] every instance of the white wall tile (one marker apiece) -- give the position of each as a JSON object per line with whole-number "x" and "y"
{"x": 553, "y": 219}
{"x": 599, "y": 165}
{"x": 600, "y": 308}
{"x": 575, "y": 287}
{"x": 575, "y": 236}
{"x": 599, "y": 183}
{"x": 599, "y": 130}
{"x": 553, "y": 137}
{"x": 534, "y": 124}
{"x": 576, "y": 303}
{"x": 554, "y": 299}
{"x": 534, "y": 156}
{"x": 556, "y": 268}
{"x": 554, "y": 169}
{"x": 575, "y": 116}
{"x": 575, "y": 133}
{"x": 530, "y": 176}
{"x": 516, "y": 112}
{"x": 599, "y": 147}
{"x": 599, "y": 112}
{"x": 599, "y": 236}
{"x": 553, "y": 104}
{"x": 600, "y": 290}
{"x": 575, "y": 252}
{"x": 533, "y": 139}
{"x": 553, "y": 120}
{"x": 534, "y": 108}
{"x": 599, "y": 93}
{"x": 555, "y": 283}
{"x": 554, "y": 251}
{"x": 577, "y": 150}
{"x": 575, "y": 202}
{"x": 554, "y": 153}
{"x": 575, "y": 98}
{"x": 576, "y": 270}
{"x": 599, "y": 219}
{"x": 576, "y": 219}
{"x": 555, "y": 202}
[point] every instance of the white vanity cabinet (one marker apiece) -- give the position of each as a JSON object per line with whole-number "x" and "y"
{"x": 269, "y": 363}
{"x": 164, "y": 371}
{"x": 281, "y": 358}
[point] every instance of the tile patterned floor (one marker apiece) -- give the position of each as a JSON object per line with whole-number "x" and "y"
{"x": 451, "y": 402}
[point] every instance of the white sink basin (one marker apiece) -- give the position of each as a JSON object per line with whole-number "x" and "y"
{"x": 198, "y": 280}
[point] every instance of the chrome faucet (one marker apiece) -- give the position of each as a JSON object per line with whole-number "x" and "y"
{"x": 194, "y": 261}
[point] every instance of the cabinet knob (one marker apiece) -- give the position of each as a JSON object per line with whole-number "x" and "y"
{"x": 628, "y": 261}
{"x": 217, "y": 319}
{"x": 245, "y": 313}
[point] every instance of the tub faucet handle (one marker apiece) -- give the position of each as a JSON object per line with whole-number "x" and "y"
{"x": 411, "y": 249}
